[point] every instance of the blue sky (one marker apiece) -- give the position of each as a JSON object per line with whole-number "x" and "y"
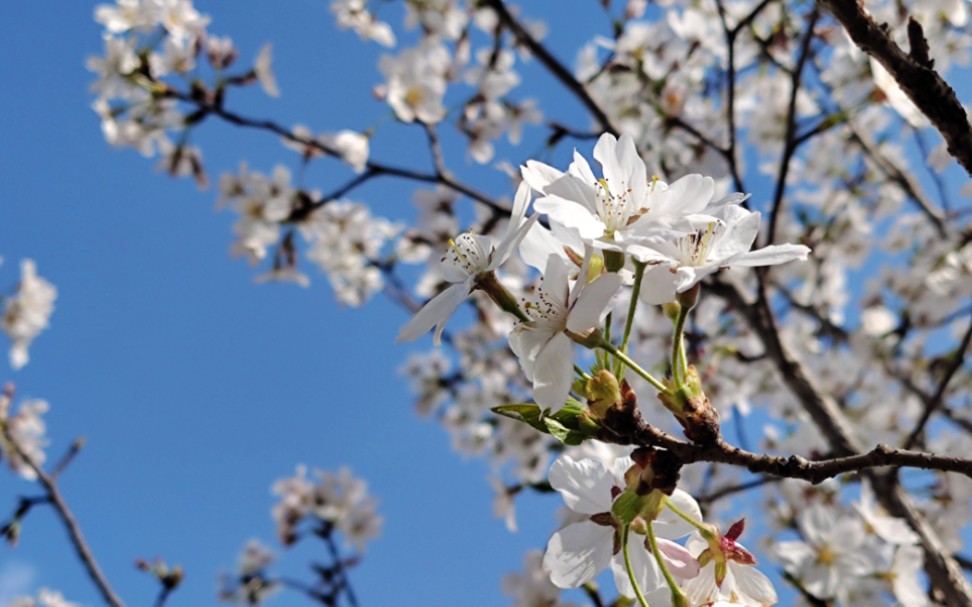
{"x": 195, "y": 388}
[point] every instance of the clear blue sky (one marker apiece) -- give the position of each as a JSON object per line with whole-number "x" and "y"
{"x": 195, "y": 388}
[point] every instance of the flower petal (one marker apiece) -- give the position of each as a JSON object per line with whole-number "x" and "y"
{"x": 584, "y": 484}
{"x": 771, "y": 255}
{"x": 671, "y": 526}
{"x": 577, "y": 553}
{"x": 553, "y": 372}
{"x": 435, "y": 312}
{"x": 591, "y": 303}
{"x": 658, "y": 286}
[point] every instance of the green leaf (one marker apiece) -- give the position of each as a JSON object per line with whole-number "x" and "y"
{"x": 564, "y": 425}
{"x": 528, "y": 413}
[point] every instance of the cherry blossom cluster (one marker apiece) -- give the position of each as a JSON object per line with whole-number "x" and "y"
{"x": 27, "y": 428}
{"x": 26, "y": 311}
{"x": 641, "y": 546}
{"x": 860, "y": 345}
{"x": 309, "y": 509}
{"x": 343, "y": 238}
{"x": 603, "y": 232}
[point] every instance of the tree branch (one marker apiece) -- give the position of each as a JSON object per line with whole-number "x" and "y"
{"x": 555, "y": 67}
{"x": 913, "y": 73}
{"x": 74, "y": 531}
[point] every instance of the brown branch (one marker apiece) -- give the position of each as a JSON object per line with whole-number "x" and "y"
{"x": 71, "y": 525}
{"x": 943, "y": 572}
{"x": 552, "y": 64}
{"x": 372, "y": 169}
{"x": 913, "y": 73}
{"x": 790, "y": 139}
{"x": 933, "y": 403}
{"x": 796, "y": 466}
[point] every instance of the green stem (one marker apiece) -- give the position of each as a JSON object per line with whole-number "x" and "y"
{"x": 609, "y": 347}
{"x": 629, "y": 321}
{"x": 491, "y": 285}
{"x": 678, "y": 598}
{"x": 679, "y": 363}
{"x": 705, "y": 531}
{"x": 581, "y": 372}
{"x": 627, "y": 566}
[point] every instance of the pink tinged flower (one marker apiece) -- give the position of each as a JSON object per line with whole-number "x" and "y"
{"x": 728, "y": 573}
{"x": 579, "y": 552}
{"x": 725, "y": 242}
{"x": 542, "y": 345}
{"x": 470, "y": 257}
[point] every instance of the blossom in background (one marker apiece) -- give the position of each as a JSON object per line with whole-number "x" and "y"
{"x": 354, "y": 15}
{"x": 26, "y": 313}
{"x": 264, "y": 72}
{"x": 470, "y": 257}
{"x": 831, "y": 555}
{"x": 532, "y": 588}
{"x": 541, "y": 344}
{"x": 339, "y": 500}
{"x": 416, "y": 82}
{"x": 28, "y": 430}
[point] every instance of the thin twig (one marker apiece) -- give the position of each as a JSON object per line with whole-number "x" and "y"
{"x": 937, "y": 398}
{"x": 373, "y": 169}
{"x": 555, "y": 67}
{"x": 74, "y": 531}
{"x": 790, "y": 140}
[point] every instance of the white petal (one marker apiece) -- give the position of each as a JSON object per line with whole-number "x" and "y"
{"x": 671, "y": 526}
{"x": 553, "y": 372}
{"x": 539, "y": 175}
{"x": 587, "y": 311}
{"x": 571, "y": 213}
{"x": 581, "y": 170}
{"x": 771, "y": 255}
{"x": 584, "y": 484}
{"x": 738, "y": 235}
{"x": 435, "y": 312}
{"x": 537, "y": 245}
{"x": 690, "y": 194}
{"x": 554, "y": 285}
{"x": 658, "y": 286}
{"x": 513, "y": 237}
{"x": 753, "y": 583}
{"x": 577, "y": 553}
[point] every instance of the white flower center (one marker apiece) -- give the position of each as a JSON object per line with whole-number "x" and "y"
{"x": 467, "y": 254}
{"x": 694, "y": 249}
{"x": 613, "y": 208}
{"x": 546, "y": 309}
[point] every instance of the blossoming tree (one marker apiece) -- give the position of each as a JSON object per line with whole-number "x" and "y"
{"x": 756, "y": 221}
